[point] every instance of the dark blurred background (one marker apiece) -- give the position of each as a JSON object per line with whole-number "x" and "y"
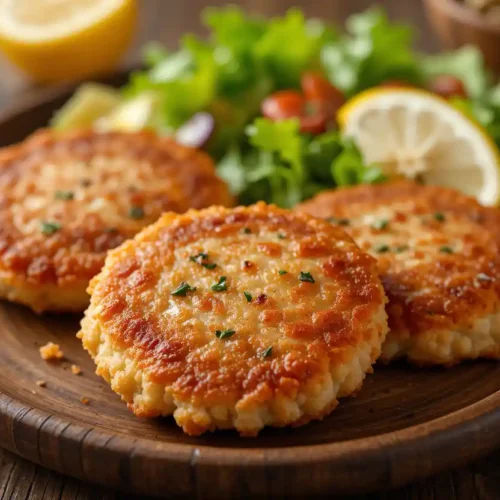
{"x": 166, "y": 20}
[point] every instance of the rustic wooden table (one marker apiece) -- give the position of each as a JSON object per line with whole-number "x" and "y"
{"x": 165, "y": 20}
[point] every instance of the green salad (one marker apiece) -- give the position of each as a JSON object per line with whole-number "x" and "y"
{"x": 261, "y": 96}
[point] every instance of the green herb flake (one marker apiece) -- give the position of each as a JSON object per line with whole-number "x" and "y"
{"x": 446, "y": 249}
{"x": 281, "y": 272}
{"x": 339, "y": 222}
{"x": 281, "y": 236}
{"x": 380, "y": 224}
{"x": 49, "y": 228}
{"x": 136, "y": 213}
{"x": 401, "y": 248}
{"x": 248, "y": 296}
{"x": 343, "y": 222}
{"x": 110, "y": 230}
{"x": 64, "y": 195}
{"x": 224, "y": 334}
{"x": 439, "y": 217}
{"x": 247, "y": 230}
{"x": 201, "y": 258}
{"x": 220, "y": 286}
{"x": 307, "y": 277}
{"x": 268, "y": 352}
{"x": 381, "y": 248}
{"x": 183, "y": 289}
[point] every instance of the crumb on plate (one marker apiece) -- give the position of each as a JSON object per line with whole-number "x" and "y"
{"x": 51, "y": 351}
{"x": 75, "y": 370}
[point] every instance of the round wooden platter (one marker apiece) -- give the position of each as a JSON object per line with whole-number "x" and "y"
{"x": 404, "y": 424}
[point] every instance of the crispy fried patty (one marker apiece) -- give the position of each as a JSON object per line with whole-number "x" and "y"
{"x": 237, "y": 318}
{"x": 438, "y": 255}
{"x": 67, "y": 199}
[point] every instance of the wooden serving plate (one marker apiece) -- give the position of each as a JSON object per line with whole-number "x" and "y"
{"x": 404, "y": 424}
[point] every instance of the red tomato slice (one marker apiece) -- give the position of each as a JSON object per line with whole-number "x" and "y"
{"x": 284, "y": 104}
{"x": 448, "y": 86}
{"x": 317, "y": 88}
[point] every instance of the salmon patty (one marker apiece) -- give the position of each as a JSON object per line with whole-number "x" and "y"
{"x": 236, "y": 318}
{"x": 439, "y": 260}
{"x": 66, "y": 199}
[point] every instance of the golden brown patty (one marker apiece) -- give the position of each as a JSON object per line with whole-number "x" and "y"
{"x": 236, "y": 318}
{"x": 65, "y": 199}
{"x": 438, "y": 255}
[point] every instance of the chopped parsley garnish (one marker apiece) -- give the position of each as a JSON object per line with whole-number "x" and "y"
{"x": 446, "y": 249}
{"x": 49, "y": 228}
{"x": 340, "y": 222}
{"x": 281, "y": 236}
{"x": 439, "y": 217}
{"x": 381, "y": 248}
{"x": 198, "y": 258}
{"x": 281, "y": 272}
{"x": 224, "y": 334}
{"x": 220, "y": 286}
{"x": 248, "y": 296}
{"x": 64, "y": 195}
{"x": 183, "y": 289}
{"x": 307, "y": 277}
{"x": 401, "y": 248}
{"x": 247, "y": 230}
{"x": 136, "y": 213}
{"x": 268, "y": 352}
{"x": 201, "y": 258}
{"x": 380, "y": 224}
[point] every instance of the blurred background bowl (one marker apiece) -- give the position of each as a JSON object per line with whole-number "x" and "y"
{"x": 457, "y": 24}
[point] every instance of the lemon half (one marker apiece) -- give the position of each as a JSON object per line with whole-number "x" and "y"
{"x": 57, "y": 40}
{"x": 418, "y": 135}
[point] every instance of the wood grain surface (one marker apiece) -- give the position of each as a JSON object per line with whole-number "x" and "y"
{"x": 164, "y": 20}
{"x": 404, "y": 424}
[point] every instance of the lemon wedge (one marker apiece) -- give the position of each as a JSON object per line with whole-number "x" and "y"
{"x": 57, "y": 40}
{"x": 131, "y": 116}
{"x": 415, "y": 134}
{"x": 89, "y": 103}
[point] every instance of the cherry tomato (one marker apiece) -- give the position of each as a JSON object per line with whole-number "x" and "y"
{"x": 292, "y": 104}
{"x": 284, "y": 104}
{"x": 448, "y": 86}
{"x": 315, "y": 107}
{"x": 317, "y": 88}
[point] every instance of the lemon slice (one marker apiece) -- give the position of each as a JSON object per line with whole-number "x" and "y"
{"x": 131, "y": 116}
{"x": 89, "y": 103}
{"x": 55, "y": 40}
{"x": 418, "y": 135}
